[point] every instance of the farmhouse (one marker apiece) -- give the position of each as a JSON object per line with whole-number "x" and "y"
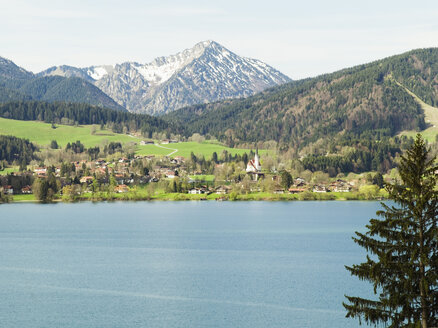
{"x": 197, "y": 191}
{"x": 340, "y": 186}
{"x": 26, "y": 190}
{"x": 223, "y": 190}
{"x": 8, "y": 190}
{"x": 319, "y": 188}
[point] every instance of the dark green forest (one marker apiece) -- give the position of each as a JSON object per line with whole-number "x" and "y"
{"x": 16, "y": 149}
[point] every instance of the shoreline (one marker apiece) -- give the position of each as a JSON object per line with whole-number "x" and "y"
{"x": 105, "y": 197}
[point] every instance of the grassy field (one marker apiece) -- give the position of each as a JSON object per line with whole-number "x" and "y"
{"x": 8, "y": 170}
{"x": 153, "y": 150}
{"x": 24, "y": 198}
{"x": 431, "y": 118}
{"x": 185, "y": 148}
{"x": 42, "y": 133}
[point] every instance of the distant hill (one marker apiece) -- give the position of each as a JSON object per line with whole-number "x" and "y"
{"x": 367, "y": 99}
{"x": 207, "y": 72}
{"x": 17, "y": 84}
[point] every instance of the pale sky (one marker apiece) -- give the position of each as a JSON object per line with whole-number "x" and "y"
{"x": 300, "y": 38}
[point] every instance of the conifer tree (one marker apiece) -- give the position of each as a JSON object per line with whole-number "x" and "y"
{"x": 403, "y": 267}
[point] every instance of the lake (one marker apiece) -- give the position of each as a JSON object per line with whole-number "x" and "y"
{"x": 180, "y": 264}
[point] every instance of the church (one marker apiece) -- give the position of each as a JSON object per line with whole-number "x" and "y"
{"x": 254, "y": 167}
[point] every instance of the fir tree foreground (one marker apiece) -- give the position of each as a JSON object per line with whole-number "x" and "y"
{"x": 403, "y": 267}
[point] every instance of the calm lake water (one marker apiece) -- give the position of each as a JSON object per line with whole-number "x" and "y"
{"x": 180, "y": 264}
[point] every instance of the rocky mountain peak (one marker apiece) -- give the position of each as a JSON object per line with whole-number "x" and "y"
{"x": 204, "y": 73}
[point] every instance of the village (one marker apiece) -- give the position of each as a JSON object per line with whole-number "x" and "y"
{"x": 173, "y": 175}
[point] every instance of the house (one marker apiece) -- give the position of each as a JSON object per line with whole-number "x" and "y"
{"x": 146, "y": 142}
{"x": 345, "y": 188}
{"x": 120, "y": 178}
{"x": 171, "y": 174}
{"x": 87, "y": 180}
{"x": 8, "y": 190}
{"x": 222, "y": 190}
{"x": 296, "y": 190}
{"x": 299, "y": 182}
{"x": 340, "y": 186}
{"x": 197, "y": 191}
{"x": 26, "y": 190}
{"x": 278, "y": 191}
{"x": 319, "y": 188}
{"x": 40, "y": 171}
{"x": 121, "y": 188}
{"x": 168, "y": 141}
{"x": 100, "y": 171}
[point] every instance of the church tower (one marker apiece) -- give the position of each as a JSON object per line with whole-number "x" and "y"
{"x": 254, "y": 165}
{"x": 257, "y": 160}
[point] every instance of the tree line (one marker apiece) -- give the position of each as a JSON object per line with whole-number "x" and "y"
{"x": 13, "y": 149}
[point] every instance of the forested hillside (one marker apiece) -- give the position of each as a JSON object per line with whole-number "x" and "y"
{"x": 16, "y": 84}
{"x": 361, "y": 100}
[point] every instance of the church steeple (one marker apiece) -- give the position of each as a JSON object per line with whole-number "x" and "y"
{"x": 257, "y": 160}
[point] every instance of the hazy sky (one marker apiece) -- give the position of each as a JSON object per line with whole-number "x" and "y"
{"x": 300, "y": 38}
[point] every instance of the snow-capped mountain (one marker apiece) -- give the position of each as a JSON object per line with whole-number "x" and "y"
{"x": 205, "y": 73}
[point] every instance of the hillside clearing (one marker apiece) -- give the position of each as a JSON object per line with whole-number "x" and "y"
{"x": 430, "y": 116}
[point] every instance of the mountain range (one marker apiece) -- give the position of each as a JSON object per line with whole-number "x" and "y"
{"x": 205, "y": 73}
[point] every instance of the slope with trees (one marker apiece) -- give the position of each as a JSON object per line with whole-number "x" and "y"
{"x": 362, "y": 99}
{"x": 18, "y": 84}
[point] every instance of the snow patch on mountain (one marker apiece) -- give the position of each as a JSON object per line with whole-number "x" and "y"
{"x": 97, "y": 72}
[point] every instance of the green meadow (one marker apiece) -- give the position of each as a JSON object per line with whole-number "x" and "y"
{"x": 42, "y": 134}
{"x": 184, "y": 149}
